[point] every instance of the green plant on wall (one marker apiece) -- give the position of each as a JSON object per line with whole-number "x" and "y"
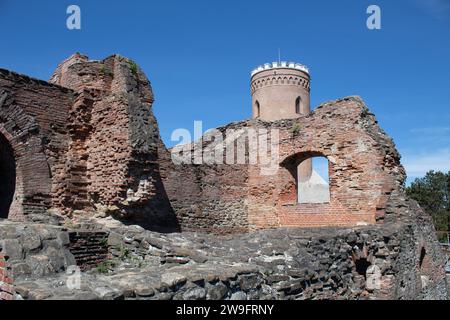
{"x": 133, "y": 67}
{"x": 103, "y": 242}
{"x": 105, "y": 266}
{"x": 105, "y": 71}
{"x": 124, "y": 252}
{"x": 295, "y": 130}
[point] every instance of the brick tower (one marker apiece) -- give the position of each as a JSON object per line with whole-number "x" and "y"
{"x": 280, "y": 90}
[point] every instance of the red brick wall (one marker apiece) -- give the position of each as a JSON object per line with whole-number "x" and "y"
{"x": 33, "y": 119}
{"x": 114, "y": 139}
{"x": 94, "y": 145}
{"x": 6, "y": 282}
{"x": 364, "y": 170}
{"x": 85, "y": 141}
{"x": 208, "y": 198}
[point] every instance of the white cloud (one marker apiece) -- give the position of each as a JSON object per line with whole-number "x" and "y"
{"x": 417, "y": 165}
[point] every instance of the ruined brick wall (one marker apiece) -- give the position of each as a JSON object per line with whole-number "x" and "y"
{"x": 33, "y": 119}
{"x": 206, "y": 198}
{"x": 364, "y": 170}
{"x": 88, "y": 142}
{"x": 89, "y": 248}
{"x": 85, "y": 142}
{"x": 6, "y": 282}
{"x": 114, "y": 139}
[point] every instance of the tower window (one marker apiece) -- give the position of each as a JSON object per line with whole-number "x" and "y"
{"x": 258, "y": 109}
{"x": 298, "y": 103}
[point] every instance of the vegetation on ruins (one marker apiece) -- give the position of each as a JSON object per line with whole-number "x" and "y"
{"x": 432, "y": 192}
{"x": 105, "y": 71}
{"x": 295, "y": 129}
{"x": 134, "y": 67}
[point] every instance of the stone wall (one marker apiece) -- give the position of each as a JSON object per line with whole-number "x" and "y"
{"x": 33, "y": 251}
{"x": 372, "y": 262}
{"x": 89, "y": 248}
{"x": 6, "y": 282}
{"x": 84, "y": 143}
{"x": 364, "y": 170}
{"x": 88, "y": 143}
{"x": 33, "y": 116}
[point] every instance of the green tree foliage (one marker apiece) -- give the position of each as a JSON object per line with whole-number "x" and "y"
{"x": 432, "y": 192}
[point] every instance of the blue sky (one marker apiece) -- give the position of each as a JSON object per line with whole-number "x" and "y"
{"x": 198, "y": 55}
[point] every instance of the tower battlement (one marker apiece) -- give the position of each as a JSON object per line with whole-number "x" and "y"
{"x": 280, "y": 65}
{"x": 280, "y": 90}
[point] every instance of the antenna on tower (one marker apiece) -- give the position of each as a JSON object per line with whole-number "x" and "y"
{"x": 279, "y": 56}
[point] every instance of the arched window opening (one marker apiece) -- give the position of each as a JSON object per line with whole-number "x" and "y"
{"x": 298, "y": 103}
{"x": 258, "y": 109}
{"x": 313, "y": 182}
{"x": 7, "y": 176}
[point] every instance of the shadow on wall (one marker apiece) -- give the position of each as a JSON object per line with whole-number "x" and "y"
{"x": 157, "y": 214}
{"x": 7, "y": 176}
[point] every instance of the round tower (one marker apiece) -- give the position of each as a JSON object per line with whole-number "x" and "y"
{"x": 280, "y": 90}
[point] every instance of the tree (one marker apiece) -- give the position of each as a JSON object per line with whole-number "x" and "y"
{"x": 432, "y": 192}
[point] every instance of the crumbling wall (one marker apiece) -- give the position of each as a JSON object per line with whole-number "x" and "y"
{"x": 371, "y": 262}
{"x": 364, "y": 170}
{"x": 92, "y": 144}
{"x": 33, "y": 119}
{"x": 206, "y": 197}
{"x": 84, "y": 143}
{"x": 115, "y": 140}
{"x": 364, "y": 167}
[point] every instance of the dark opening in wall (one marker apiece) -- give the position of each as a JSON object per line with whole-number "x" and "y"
{"x": 361, "y": 266}
{"x": 423, "y": 253}
{"x": 258, "y": 110}
{"x": 7, "y": 176}
{"x": 298, "y": 105}
{"x": 89, "y": 248}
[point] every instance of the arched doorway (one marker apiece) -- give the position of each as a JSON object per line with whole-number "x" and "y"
{"x": 7, "y": 176}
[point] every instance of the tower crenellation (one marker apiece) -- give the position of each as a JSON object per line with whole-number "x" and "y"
{"x": 280, "y": 90}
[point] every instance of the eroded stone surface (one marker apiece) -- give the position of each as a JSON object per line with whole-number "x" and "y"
{"x": 88, "y": 155}
{"x": 325, "y": 263}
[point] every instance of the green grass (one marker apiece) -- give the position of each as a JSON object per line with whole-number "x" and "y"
{"x": 124, "y": 252}
{"x": 105, "y": 266}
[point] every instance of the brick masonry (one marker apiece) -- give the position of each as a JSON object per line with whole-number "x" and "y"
{"x": 89, "y": 248}
{"x": 6, "y": 281}
{"x": 84, "y": 142}
{"x": 364, "y": 169}
{"x": 87, "y": 142}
